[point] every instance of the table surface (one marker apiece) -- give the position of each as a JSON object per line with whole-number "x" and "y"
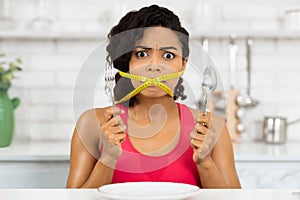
{"x": 59, "y": 151}
{"x": 203, "y": 194}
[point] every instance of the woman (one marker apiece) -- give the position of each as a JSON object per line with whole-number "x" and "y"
{"x": 150, "y": 137}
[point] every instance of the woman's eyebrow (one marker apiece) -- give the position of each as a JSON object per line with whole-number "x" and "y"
{"x": 168, "y": 48}
{"x": 161, "y": 48}
{"x": 143, "y": 47}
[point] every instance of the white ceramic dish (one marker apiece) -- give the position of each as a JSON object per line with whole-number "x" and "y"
{"x": 148, "y": 191}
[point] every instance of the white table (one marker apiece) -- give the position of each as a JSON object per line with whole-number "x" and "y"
{"x": 204, "y": 194}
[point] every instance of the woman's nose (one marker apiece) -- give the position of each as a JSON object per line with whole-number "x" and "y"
{"x": 153, "y": 68}
{"x": 154, "y": 64}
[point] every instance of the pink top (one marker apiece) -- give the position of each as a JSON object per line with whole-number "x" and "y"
{"x": 175, "y": 166}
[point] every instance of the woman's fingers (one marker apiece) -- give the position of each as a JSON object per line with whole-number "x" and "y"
{"x": 118, "y": 139}
{"x": 196, "y": 144}
{"x": 203, "y": 137}
{"x": 200, "y": 133}
{"x": 115, "y": 121}
{"x": 114, "y": 130}
{"x": 111, "y": 112}
{"x": 201, "y": 129}
{"x": 197, "y": 136}
{"x": 204, "y": 120}
{"x": 115, "y": 136}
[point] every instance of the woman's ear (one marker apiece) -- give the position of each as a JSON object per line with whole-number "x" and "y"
{"x": 184, "y": 62}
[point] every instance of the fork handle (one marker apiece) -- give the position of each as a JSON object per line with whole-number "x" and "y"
{"x": 204, "y": 106}
{"x": 113, "y": 101}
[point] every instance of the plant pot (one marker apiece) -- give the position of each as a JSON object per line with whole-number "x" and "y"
{"x": 7, "y": 107}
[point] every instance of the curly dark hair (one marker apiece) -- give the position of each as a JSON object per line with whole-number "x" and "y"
{"x": 123, "y": 37}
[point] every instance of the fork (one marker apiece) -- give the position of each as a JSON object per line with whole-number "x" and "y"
{"x": 109, "y": 83}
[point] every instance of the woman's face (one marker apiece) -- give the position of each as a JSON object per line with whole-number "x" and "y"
{"x": 159, "y": 52}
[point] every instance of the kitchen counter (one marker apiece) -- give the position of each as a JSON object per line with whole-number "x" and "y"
{"x": 74, "y": 194}
{"x": 247, "y": 151}
{"x": 34, "y": 165}
{"x": 260, "y": 151}
{"x": 36, "y": 151}
{"x": 46, "y": 165}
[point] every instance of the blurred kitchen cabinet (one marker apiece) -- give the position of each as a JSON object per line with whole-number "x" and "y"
{"x": 33, "y": 174}
{"x": 269, "y": 174}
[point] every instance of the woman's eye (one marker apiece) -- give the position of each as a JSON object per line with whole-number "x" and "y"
{"x": 141, "y": 54}
{"x": 169, "y": 55}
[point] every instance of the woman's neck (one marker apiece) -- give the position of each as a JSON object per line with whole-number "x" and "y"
{"x": 143, "y": 104}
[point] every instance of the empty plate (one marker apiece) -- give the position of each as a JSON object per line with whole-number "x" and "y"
{"x": 148, "y": 190}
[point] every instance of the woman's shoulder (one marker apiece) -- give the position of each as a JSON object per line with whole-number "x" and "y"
{"x": 95, "y": 115}
{"x": 92, "y": 115}
{"x": 88, "y": 127}
{"x": 90, "y": 121}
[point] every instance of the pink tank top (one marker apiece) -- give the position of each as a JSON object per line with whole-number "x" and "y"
{"x": 175, "y": 166}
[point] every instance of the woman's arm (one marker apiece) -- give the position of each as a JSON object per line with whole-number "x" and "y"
{"x": 86, "y": 169}
{"x": 218, "y": 169}
{"x": 213, "y": 152}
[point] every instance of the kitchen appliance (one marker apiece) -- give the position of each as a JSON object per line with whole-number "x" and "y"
{"x": 275, "y": 129}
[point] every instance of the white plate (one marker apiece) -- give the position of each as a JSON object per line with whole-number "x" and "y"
{"x": 148, "y": 190}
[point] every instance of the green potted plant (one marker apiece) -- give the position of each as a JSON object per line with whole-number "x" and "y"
{"x": 7, "y": 105}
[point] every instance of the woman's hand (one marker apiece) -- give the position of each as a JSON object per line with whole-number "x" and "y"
{"x": 202, "y": 138}
{"x": 114, "y": 131}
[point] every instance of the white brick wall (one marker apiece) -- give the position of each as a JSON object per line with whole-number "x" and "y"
{"x": 51, "y": 66}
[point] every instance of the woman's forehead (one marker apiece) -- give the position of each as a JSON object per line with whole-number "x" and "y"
{"x": 157, "y": 37}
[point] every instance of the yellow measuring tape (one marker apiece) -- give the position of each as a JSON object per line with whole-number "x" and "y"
{"x": 149, "y": 82}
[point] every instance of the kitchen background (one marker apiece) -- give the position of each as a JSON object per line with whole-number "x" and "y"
{"x": 52, "y": 59}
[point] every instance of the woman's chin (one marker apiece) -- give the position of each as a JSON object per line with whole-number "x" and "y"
{"x": 153, "y": 92}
